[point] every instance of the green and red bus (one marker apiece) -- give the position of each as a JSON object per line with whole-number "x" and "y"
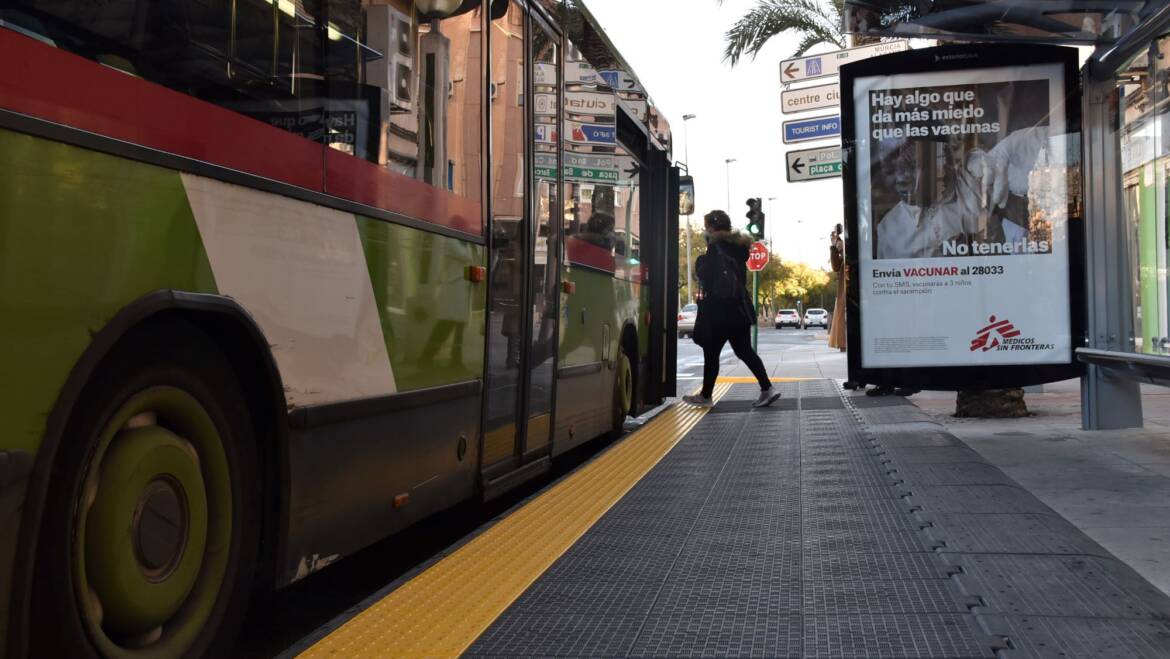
{"x": 279, "y": 278}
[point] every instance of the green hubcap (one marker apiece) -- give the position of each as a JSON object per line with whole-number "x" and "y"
{"x": 153, "y": 528}
{"x": 146, "y": 530}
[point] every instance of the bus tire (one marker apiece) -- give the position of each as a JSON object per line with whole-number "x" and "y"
{"x": 623, "y": 392}
{"x": 160, "y": 443}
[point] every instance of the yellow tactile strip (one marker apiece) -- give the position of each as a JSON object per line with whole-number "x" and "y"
{"x": 443, "y": 610}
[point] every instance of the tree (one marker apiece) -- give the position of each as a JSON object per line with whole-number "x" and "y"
{"x": 816, "y": 23}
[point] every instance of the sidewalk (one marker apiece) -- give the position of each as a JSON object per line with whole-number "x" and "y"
{"x": 1113, "y": 485}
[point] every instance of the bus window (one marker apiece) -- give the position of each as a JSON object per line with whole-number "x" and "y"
{"x": 406, "y": 96}
{"x": 629, "y": 217}
{"x": 510, "y": 250}
{"x": 592, "y": 231}
{"x": 225, "y": 53}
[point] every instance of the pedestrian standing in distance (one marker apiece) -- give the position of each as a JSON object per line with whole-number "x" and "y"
{"x": 837, "y": 261}
{"x": 726, "y": 312}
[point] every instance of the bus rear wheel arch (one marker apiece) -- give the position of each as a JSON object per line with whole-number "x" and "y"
{"x": 150, "y": 534}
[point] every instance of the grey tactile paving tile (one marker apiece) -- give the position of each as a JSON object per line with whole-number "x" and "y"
{"x": 734, "y": 596}
{"x": 869, "y": 402}
{"x": 553, "y": 634}
{"x": 844, "y": 506}
{"x": 832, "y": 532}
{"x": 933, "y": 455}
{"x": 918, "y": 635}
{"x": 904, "y": 596}
{"x": 1096, "y": 638}
{"x": 852, "y": 564}
{"x": 588, "y": 598}
{"x": 1027, "y": 533}
{"x": 867, "y": 541}
{"x": 961, "y": 473}
{"x": 1079, "y": 586}
{"x": 878, "y": 416}
{"x": 975, "y": 499}
{"x": 711, "y": 634}
{"x": 868, "y": 521}
{"x": 919, "y": 439}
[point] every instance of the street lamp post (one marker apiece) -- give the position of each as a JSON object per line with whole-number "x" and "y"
{"x": 727, "y": 166}
{"x": 687, "y": 161}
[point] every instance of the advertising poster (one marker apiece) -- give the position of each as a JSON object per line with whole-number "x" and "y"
{"x": 963, "y": 197}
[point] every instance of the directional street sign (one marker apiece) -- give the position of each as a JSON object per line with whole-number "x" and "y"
{"x": 544, "y": 74}
{"x": 810, "y": 98}
{"x": 584, "y": 133}
{"x": 638, "y": 108}
{"x": 817, "y": 128}
{"x": 813, "y": 164}
{"x": 758, "y": 257}
{"x": 545, "y": 105}
{"x": 545, "y": 133}
{"x": 621, "y": 81}
{"x": 593, "y": 104}
{"x": 545, "y": 165}
{"x": 580, "y": 73}
{"x": 826, "y": 64}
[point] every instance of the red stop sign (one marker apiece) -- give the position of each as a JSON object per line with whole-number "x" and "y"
{"x": 757, "y": 257}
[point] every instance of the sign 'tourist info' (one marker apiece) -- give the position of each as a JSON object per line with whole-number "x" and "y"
{"x": 963, "y": 208}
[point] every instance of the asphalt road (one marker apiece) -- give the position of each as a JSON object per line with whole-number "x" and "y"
{"x": 279, "y": 620}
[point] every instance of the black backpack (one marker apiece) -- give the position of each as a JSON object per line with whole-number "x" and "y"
{"x": 724, "y": 280}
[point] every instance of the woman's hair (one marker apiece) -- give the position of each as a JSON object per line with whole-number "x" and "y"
{"x": 717, "y": 220}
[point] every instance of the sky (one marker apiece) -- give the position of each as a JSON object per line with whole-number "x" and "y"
{"x": 676, "y": 49}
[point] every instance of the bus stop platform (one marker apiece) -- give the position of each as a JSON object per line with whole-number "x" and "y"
{"x": 827, "y": 525}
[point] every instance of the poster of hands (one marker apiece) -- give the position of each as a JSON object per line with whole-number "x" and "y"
{"x": 963, "y": 204}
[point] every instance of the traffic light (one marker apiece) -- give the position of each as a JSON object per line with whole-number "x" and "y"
{"x": 755, "y": 218}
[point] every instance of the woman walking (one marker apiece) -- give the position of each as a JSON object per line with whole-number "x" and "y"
{"x": 726, "y": 312}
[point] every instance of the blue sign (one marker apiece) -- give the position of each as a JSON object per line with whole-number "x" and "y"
{"x": 581, "y": 133}
{"x": 611, "y": 78}
{"x": 812, "y": 67}
{"x": 803, "y": 130}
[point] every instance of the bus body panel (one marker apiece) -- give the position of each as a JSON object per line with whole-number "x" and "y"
{"x": 346, "y": 303}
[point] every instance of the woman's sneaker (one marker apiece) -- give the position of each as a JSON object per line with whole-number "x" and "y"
{"x": 767, "y": 397}
{"x": 698, "y": 400}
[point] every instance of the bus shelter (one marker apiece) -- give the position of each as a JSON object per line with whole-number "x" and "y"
{"x": 1124, "y": 172}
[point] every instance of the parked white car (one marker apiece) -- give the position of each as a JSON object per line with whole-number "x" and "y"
{"x": 787, "y": 318}
{"x": 818, "y": 317}
{"x": 686, "y": 320}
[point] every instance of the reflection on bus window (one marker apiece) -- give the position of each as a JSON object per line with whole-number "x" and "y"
{"x": 363, "y": 77}
{"x": 408, "y": 96}
{"x": 259, "y": 58}
{"x": 509, "y": 248}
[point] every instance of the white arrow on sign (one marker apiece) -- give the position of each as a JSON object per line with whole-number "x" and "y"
{"x": 827, "y": 64}
{"x": 810, "y": 98}
{"x": 814, "y": 164}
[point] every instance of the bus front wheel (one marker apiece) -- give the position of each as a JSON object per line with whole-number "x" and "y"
{"x": 149, "y": 541}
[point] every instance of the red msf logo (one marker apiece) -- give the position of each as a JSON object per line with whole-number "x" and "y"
{"x": 985, "y": 341}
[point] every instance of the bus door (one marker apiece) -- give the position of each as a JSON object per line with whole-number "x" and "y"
{"x": 547, "y": 211}
{"x": 525, "y": 249}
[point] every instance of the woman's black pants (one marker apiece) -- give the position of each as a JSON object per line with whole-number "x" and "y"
{"x": 741, "y": 342}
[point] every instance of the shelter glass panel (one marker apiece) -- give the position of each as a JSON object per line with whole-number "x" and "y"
{"x": 1145, "y": 162}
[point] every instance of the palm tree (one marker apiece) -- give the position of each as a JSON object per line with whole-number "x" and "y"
{"x": 816, "y": 23}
